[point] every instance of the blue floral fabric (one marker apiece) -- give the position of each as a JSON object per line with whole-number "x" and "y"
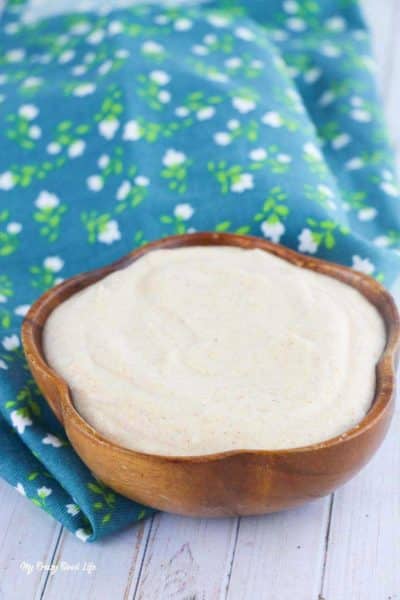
{"x": 132, "y": 123}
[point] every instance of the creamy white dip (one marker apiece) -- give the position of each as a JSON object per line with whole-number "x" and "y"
{"x": 205, "y": 349}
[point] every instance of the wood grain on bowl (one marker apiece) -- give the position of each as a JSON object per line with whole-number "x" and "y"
{"x": 238, "y": 482}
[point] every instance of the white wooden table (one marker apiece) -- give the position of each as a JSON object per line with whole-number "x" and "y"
{"x": 343, "y": 547}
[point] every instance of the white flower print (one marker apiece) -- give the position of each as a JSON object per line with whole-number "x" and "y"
{"x": 142, "y": 181}
{"x": 183, "y": 24}
{"x": 20, "y": 422}
{"x": 150, "y": 47}
{"x": 233, "y": 63}
{"x": 44, "y": 492}
{"x": 325, "y": 190}
{"x": 161, "y": 19}
{"x": 82, "y": 534}
{"x": 244, "y": 33}
{"x": 312, "y": 75}
{"x": 389, "y": 188}
{"x": 354, "y": 164}
{"x": 53, "y": 263}
{"x": 22, "y": 310}
{"x": 14, "y": 228}
{"x": 110, "y": 233}
{"x": 123, "y": 190}
{"x": 46, "y": 200}
{"x": 273, "y": 119}
{"x": 181, "y": 111}
{"x": 79, "y": 70}
{"x": 200, "y": 50}
{"x": 31, "y": 82}
{"x": 243, "y": 105}
{"x": 210, "y": 38}
{"x": 132, "y": 131}
{"x": 72, "y": 509}
{"x": 96, "y": 37}
{"x": 335, "y": 23}
{"x": 312, "y": 150}
{"x": 80, "y": 29}
{"x": 183, "y": 211}
{"x": 122, "y": 53}
{"x": 105, "y": 67}
{"x": 340, "y": 141}
{"x": 273, "y": 231}
{"x": 245, "y": 182}
{"x": 220, "y": 77}
{"x": 367, "y": 214}
{"x": 284, "y": 158}
{"x": 381, "y": 241}
{"x": 34, "y": 132}
{"x": 330, "y": 50}
{"x": 222, "y": 138}
{"x": 6, "y": 181}
{"x": 104, "y": 161}
{"x": 95, "y": 183}
{"x": 173, "y": 158}
{"x": 233, "y": 124}
{"x": 218, "y": 20}
{"x": 364, "y": 265}
{"x": 52, "y": 440}
{"x": 84, "y": 89}
{"x": 15, "y": 55}
{"x": 164, "y": 96}
{"x": 108, "y": 128}
{"x": 296, "y": 24}
{"x": 66, "y": 57}
{"x": 360, "y": 114}
{"x": 290, "y": 6}
{"x": 258, "y": 154}
{"x": 3, "y": 365}
{"x": 160, "y": 77}
{"x": 307, "y": 242}
{"x": 10, "y": 342}
{"x": 3, "y": 298}
{"x": 53, "y": 148}
{"x": 28, "y": 111}
{"x": 115, "y": 27}
{"x": 327, "y": 98}
{"x": 76, "y": 148}
{"x": 205, "y": 113}
{"x": 20, "y": 489}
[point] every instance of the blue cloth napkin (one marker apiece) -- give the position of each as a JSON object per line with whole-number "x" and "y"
{"x": 127, "y": 123}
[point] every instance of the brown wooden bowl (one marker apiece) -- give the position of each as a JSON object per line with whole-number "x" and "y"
{"x": 237, "y": 482}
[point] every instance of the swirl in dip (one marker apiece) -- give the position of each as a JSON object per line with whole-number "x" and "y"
{"x": 198, "y": 350}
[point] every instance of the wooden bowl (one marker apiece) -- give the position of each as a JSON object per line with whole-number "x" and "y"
{"x": 237, "y": 482}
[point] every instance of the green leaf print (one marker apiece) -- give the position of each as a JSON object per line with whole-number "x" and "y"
{"x": 176, "y": 165}
{"x": 324, "y": 232}
{"x": 50, "y": 219}
{"x": 9, "y": 241}
{"x": 227, "y": 176}
{"x": 106, "y": 502}
{"x": 94, "y": 223}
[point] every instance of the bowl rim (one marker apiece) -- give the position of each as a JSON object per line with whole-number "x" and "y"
{"x": 371, "y": 289}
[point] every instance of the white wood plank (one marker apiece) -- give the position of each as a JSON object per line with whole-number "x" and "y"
{"x": 104, "y": 569}
{"x": 393, "y": 88}
{"x": 27, "y": 537}
{"x": 364, "y": 545}
{"x": 187, "y": 558}
{"x": 280, "y": 556}
{"x": 380, "y": 18}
